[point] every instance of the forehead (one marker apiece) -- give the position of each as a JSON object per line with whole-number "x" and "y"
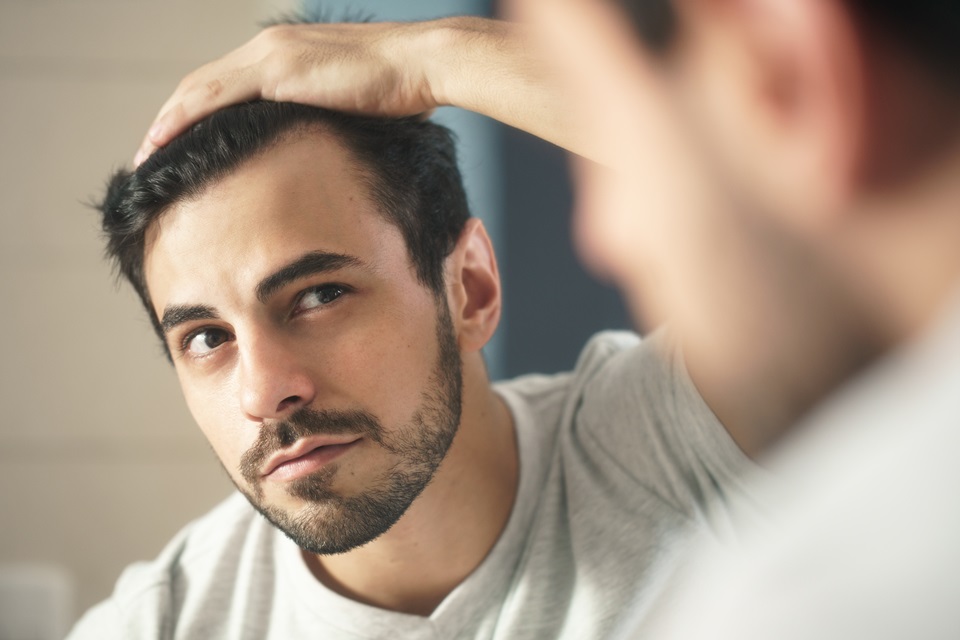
{"x": 304, "y": 194}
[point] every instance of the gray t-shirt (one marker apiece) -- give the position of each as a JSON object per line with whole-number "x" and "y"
{"x": 615, "y": 458}
{"x": 861, "y": 535}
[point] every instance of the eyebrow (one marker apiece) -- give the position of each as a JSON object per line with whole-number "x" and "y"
{"x": 177, "y": 314}
{"x": 308, "y": 264}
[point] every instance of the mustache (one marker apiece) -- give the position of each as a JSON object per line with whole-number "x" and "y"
{"x": 306, "y": 422}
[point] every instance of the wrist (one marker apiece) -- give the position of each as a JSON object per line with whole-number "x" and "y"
{"x": 449, "y": 50}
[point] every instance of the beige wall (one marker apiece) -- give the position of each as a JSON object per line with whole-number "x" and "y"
{"x": 100, "y": 463}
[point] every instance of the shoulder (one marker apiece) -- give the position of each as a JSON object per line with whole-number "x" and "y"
{"x": 541, "y": 389}
{"x": 637, "y": 417}
{"x": 617, "y": 373}
{"x": 605, "y": 347}
{"x": 197, "y": 544}
{"x": 623, "y": 375}
{"x": 621, "y": 378}
{"x": 149, "y": 596}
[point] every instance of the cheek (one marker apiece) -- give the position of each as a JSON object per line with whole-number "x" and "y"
{"x": 380, "y": 360}
{"x": 215, "y": 409}
{"x": 387, "y": 368}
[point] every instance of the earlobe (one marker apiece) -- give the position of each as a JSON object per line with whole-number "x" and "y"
{"x": 473, "y": 287}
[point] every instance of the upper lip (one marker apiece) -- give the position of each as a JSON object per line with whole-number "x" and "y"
{"x": 302, "y": 447}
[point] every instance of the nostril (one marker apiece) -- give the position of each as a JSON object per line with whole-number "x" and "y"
{"x": 286, "y": 403}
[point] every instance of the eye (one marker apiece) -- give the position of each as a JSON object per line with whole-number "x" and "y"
{"x": 204, "y": 341}
{"x": 319, "y": 296}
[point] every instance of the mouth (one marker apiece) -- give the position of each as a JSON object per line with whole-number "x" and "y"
{"x": 306, "y": 456}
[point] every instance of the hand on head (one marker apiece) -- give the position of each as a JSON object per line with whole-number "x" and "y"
{"x": 358, "y": 68}
{"x": 490, "y": 67}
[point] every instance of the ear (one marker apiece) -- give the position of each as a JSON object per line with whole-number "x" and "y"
{"x": 473, "y": 287}
{"x": 780, "y": 89}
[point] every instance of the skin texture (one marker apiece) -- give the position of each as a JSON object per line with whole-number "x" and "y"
{"x": 363, "y": 345}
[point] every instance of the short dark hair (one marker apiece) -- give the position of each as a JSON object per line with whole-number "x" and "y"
{"x": 409, "y": 166}
{"x": 929, "y": 28}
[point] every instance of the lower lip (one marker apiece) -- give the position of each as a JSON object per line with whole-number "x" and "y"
{"x": 310, "y": 462}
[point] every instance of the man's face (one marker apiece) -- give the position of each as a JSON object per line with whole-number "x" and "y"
{"x": 324, "y": 375}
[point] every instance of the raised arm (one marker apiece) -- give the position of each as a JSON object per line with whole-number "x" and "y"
{"x": 392, "y": 69}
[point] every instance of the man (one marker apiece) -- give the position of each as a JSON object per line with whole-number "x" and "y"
{"x": 324, "y": 297}
{"x": 806, "y": 154}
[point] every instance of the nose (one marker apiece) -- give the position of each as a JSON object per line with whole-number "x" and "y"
{"x": 273, "y": 379}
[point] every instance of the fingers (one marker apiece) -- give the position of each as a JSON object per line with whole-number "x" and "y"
{"x": 205, "y": 91}
{"x": 358, "y": 68}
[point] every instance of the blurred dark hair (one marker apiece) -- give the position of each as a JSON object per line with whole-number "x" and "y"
{"x": 930, "y": 28}
{"x": 654, "y": 20}
{"x": 409, "y": 166}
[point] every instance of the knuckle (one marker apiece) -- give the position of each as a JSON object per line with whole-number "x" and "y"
{"x": 271, "y": 69}
{"x": 194, "y": 79}
{"x": 279, "y": 47}
{"x": 275, "y": 35}
{"x": 275, "y": 75}
{"x": 186, "y": 83}
{"x": 176, "y": 113}
{"x": 214, "y": 87}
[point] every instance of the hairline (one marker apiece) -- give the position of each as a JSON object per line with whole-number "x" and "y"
{"x": 363, "y": 171}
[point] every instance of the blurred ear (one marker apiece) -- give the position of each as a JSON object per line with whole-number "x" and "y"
{"x": 473, "y": 287}
{"x": 779, "y": 88}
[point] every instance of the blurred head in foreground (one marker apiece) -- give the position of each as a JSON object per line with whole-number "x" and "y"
{"x": 781, "y": 176}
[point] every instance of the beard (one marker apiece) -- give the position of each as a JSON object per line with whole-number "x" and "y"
{"x": 331, "y": 523}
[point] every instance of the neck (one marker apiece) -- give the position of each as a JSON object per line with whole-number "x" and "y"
{"x": 899, "y": 241}
{"x": 901, "y": 244}
{"x": 451, "y": 527}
